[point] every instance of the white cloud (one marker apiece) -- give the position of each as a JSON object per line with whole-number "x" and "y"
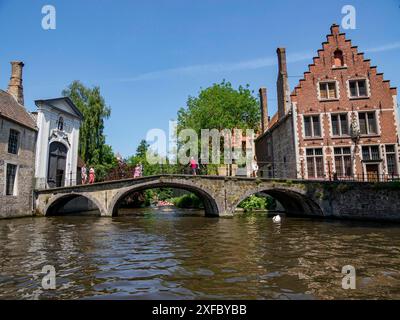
{"x": 386, "y": 47}
{"x": 236, "y": 66}
{"x": 217, "y": 68}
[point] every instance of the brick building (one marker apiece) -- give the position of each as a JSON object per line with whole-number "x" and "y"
{"x": 340, "y": 121}
{"x": 18, "y": 135}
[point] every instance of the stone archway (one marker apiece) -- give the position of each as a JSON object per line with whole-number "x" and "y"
{"x": 72, "y": 203}
{"x": 294, "y": 202}
{"x": 211, "y": 206}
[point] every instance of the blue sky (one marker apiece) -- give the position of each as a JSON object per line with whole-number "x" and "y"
{"x": 149, "y": 56}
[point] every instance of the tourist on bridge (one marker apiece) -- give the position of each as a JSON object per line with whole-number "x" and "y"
{"x": 138, "y": 170}
{"x": 84, "y": 174}
{"x": 92, "y": 175}
{"x": 193, "y": 165}
{"x": 254, "y": 167}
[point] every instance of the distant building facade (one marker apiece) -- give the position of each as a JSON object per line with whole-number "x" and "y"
{"x": 18, "y": 133}
{"x": 340, "y": 122}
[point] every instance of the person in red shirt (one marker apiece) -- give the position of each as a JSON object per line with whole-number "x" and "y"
{"x": 193, "y": 166}
{"x": 92, "y": 175}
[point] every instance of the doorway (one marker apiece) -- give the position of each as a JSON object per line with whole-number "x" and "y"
{"x": 57, "y": 164}
{"x": 372, "y": 172}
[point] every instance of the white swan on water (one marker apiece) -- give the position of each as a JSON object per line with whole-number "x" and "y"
{"x": 277, "y": 219}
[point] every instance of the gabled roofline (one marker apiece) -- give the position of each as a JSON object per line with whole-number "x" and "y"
{"x": 66, "y": 99}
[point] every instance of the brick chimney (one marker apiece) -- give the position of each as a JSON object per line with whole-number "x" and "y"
{"x": 282, "y": 84}
{"x": 264, "y": 109}
{"x": 15, "y": 86}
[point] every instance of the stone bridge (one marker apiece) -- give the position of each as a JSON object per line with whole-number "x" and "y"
{"x": 221, "y": 195}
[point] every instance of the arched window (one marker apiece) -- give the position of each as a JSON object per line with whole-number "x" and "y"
{"x": 60, "y": 124}
{"x": 338, "y": 58}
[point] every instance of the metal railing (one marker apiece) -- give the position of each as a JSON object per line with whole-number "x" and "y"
{"x": 275, "y": 171}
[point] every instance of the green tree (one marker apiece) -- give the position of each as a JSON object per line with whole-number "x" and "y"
{"x": 149, "y": 169}
{"x": 92, "y": 146}
{"x": 221, "y": 107}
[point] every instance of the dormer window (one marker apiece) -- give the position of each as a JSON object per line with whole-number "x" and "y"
{"x": 338, "y": 60}
{"x": 60, "y": 124}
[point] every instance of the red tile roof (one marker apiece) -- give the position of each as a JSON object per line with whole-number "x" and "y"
{"x": 12, "y": 110}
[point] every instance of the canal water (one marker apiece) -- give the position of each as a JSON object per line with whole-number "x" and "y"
{"x": 172, "y": 254}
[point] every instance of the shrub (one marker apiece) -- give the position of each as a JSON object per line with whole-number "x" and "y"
{"x": 257, "y": 203}
{"x": 187, "y": 201}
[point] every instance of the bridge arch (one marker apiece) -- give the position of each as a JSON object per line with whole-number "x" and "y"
{"x": 59, "y": 202}
{"x": 211, "y": 205}
{"x": 294, "y": 202}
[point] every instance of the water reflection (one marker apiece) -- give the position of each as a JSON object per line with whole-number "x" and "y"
{"x": 167, "y": 255}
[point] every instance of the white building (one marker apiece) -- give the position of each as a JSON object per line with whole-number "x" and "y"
{"x": 58, "y": 121}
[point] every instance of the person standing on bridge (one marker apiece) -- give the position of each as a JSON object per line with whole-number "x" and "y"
{"x": 92, "y": 175}
{"x": 84, "y": 174}
{"x": 138, "y": 170}
{"x": 254, "y": 167}
{"x": 193, "y": 165}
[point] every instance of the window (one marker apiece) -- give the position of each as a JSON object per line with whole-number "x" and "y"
{"x": 358, "y": 88}
{"x": 13, "y": 140}
{"x": 327, "y": 90}
{"x": 367, "y": 123}
{"x": 370, "y": 153}
{"x": 340, "y": 125}
{"x": 391, "y": 160}
{"x": 312, "y": 126}
{"x": 10, "y": 179}
{"x": 60, "y": 124}
{"x": 338, "y": 58}
{"x": 315, "y": 163}
{"x": 343, "y": 161}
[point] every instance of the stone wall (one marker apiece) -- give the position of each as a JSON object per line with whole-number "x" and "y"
{"x": 19, "y": 204}
{"x": 359, "y": 201}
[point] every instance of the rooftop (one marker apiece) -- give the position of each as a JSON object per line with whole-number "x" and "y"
{"x": 12, "y": 110}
